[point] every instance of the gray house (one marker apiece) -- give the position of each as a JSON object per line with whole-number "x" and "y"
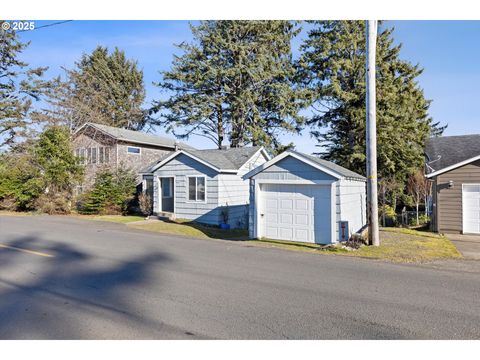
{"x": 102, "y": 146}
{"x": 303, "y": 198}
{"x": 453, "y": 165}
{"x": 203, "y": 185}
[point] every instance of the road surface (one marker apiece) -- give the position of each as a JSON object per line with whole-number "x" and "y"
{"x": 66, "y": 278}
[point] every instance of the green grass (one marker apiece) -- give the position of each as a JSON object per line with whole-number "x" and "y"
{"x": 409, "y": 246}
{"x": 188, "y": 228}
{"x": 118, "y": 218}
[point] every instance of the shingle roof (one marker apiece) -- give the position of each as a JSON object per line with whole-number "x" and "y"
{"x": 225, "y": 159}
{"x": 138, "y": 136}
{"x": 332, "y": 166}
{"x": 445, "y": 151}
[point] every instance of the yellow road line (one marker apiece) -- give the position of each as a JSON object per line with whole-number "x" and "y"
{"x": 38, "y": 253}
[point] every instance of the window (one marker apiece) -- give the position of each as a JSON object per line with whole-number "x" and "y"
{"x": 133, "y": 150}
{"x": 196, "y": 188}
{"x": 103, "y": 155}
{"x": 94, "y": 155}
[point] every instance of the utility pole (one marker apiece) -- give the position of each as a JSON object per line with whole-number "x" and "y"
{"x": 372, "y": 197}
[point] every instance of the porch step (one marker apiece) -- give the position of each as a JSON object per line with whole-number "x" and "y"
{"x": 163, "y": 215}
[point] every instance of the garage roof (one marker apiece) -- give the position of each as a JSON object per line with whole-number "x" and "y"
{"x": 321, "y": 164}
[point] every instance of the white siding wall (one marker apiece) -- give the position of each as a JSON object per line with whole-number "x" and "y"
{"x": 350, "y": 205}
{"x": 234, "y": 191}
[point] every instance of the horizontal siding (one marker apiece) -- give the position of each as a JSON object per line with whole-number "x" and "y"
{"x": 181, "y": 167}
{"x": 351, "y": 205}
{"x": 449, "y": 201}
{"x": 290, "y": 168}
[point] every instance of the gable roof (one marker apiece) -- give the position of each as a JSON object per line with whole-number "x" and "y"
{"x": 328, "y": 167}
{"x": 225, "y": 160}
{"x": 446, "y": 153}
{"x": 136, "y": 137}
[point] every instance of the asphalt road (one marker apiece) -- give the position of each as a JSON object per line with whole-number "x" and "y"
{"x": 65, "y": 278}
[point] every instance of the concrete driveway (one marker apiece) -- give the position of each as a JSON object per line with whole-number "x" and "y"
{"x": 468, "y": 245}
{"x": 65, "y": 278}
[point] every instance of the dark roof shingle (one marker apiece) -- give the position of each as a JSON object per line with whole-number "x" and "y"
{"x": 445, "y": 151}
{"x": 225, "y": 159}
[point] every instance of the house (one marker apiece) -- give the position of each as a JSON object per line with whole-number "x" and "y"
{"x": 453, "y": 166}
{"x": 204, "y": 185}
{"x": 105, "y": 146}
{"x": 304, "y": 198}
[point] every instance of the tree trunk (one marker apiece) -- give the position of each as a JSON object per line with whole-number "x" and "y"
{"x": 220, "y": 131}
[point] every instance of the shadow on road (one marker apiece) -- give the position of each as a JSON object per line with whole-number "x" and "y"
{"x": 57, "y": 297}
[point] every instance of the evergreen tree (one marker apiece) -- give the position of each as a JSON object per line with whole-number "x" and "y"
{"x": 104, "y": 88}
{"x": 234, "y": 82}
{"x": 19, "y": 85}
{"x": 332, "y": 66}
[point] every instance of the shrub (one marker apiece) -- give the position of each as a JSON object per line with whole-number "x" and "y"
{"x": 111, "y": 193}
{"x": 54, "y": 204}
{"x": 145, "y": 203}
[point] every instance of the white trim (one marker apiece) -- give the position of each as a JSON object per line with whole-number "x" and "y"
{"x": 333, "y": 213}
{"x": 186, "y": 153}
{"x": 283, "y": 155}
{"x": 134, "y": 147}
{"x": 160, "y": 190}
{"x": 295, "y": 182}
{"x": 258, "y": 228}
{"x": 256, "y": 212}
{"x": 187, "y": 186}
{"x": 452, "y": 167}
{"x": 178, "y": 152}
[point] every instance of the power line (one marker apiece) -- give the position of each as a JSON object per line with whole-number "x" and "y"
{"x": 47, "y": 25}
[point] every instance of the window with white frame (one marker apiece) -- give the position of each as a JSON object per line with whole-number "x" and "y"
{"x": 133, "y": 150}
{"x": 94, "y": 155}
{"x": 196, "y": 188}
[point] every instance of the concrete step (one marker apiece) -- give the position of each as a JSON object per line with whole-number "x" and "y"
{"x": 162, "y": 215}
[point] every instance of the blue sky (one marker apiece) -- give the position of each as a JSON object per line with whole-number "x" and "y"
{"x": 447, "y": 50}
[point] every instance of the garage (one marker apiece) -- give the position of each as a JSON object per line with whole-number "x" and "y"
{"x": 471, "y": 208}
{"x": 303, "y": 198}
{"x": 289, "y": 211}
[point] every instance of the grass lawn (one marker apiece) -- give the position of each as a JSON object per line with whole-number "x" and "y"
{"x": 188, "y": 228}
{"x": 397, "y": 245}
{"x": 116, "y": 218}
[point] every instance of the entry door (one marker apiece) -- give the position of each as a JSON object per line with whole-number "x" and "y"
{"x": 167, "y": 193}
{"x": 471, "y": 208}
{"x": 296, "y": 212}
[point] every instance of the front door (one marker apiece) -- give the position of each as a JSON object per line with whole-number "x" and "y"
{"x": 167, "y": 194}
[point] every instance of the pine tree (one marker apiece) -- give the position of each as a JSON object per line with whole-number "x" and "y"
{"x": 235, "y": 83}
{"x": 19, "y": 85}
{"x": 332, "y": 66}
{"x": 104, "y": 88}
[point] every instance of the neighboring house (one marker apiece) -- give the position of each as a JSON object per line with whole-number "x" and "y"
{"x": 201, "y": 184}
{"x": 453, "y": 165}
{"x": 301, "y": 197}
{"x": 105, "y": 146}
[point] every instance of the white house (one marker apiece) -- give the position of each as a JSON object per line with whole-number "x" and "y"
{"x": 201, "y": 185}
{"x": 303, "y": 198}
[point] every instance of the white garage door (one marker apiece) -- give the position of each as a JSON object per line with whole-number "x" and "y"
{"x": 296, "y": 212}
{"x": 471, "y": 208}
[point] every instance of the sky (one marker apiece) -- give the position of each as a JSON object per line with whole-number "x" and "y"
{"x": 447, "y": 50}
